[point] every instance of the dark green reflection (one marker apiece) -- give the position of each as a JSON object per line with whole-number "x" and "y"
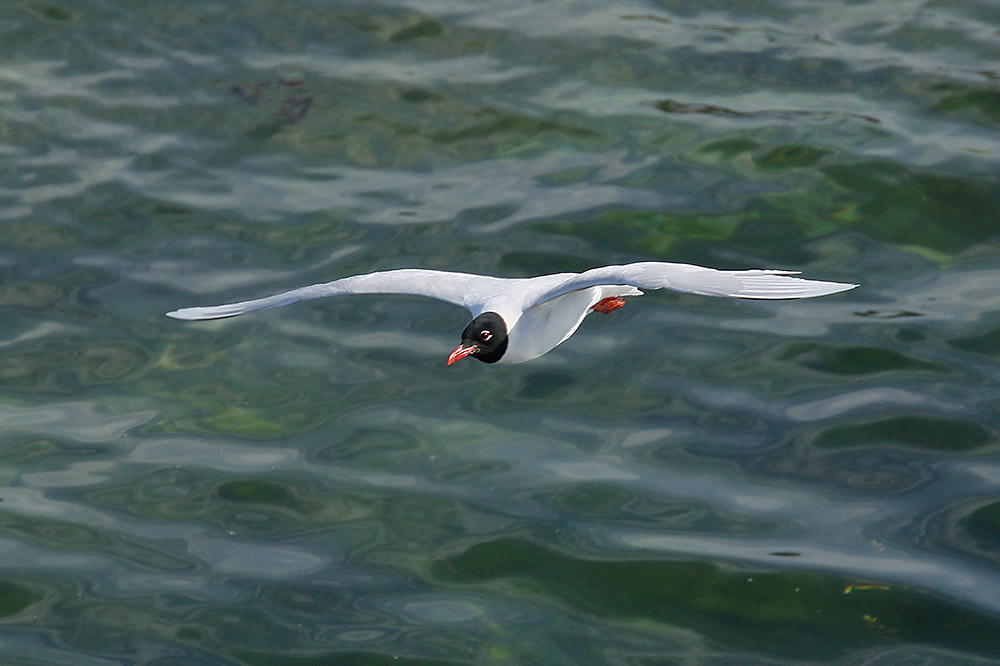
{"x": 790, "y": 613}
{"x": 912, "y": 430}
{"x": 852, "y": 360}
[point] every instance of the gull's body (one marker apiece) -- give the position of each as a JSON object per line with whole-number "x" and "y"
{"x": 537, "y": 314}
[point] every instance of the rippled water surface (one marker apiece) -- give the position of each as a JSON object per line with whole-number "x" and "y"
{"x": 686, "y": 481}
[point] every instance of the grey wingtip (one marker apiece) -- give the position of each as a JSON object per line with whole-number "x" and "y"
{"x": 844, "y": 286}
{"x": 184, "y": 315}
{"x": 199, "y": 314}
{"x": 782, "y": 287}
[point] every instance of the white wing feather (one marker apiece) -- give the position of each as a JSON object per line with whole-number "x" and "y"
{"x": 469, "y": 291}
{"x": 758, "y": 284}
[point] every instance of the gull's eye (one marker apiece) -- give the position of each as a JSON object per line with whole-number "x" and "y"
{"x": 485, "y": 335}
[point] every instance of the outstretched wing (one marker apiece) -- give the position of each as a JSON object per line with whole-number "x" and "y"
{"x": 759, "y": 284}
{"x": 469, "y": 291}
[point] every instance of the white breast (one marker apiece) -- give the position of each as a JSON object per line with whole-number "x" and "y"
{"x": 545, "y": 326}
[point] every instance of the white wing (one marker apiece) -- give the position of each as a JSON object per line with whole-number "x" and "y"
{"x": 759, "y": 284}
{"x": 469, "y": 291}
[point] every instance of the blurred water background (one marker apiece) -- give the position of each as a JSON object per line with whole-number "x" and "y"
{"x": 686, "y": 481}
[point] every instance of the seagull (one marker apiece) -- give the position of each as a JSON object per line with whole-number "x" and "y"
{"x": 519, "y": 319}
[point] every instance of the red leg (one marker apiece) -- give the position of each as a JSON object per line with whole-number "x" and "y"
{"x": 608, "y": 305}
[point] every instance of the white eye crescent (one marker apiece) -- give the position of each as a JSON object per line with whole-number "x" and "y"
{"x": 485, "y": 336}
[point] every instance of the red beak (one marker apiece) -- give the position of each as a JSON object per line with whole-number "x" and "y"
{"x": 461, "y": 352}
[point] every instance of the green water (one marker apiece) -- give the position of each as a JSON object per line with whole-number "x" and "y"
{"x": 686, "y": 481}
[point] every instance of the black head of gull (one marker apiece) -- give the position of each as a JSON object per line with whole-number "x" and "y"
{"x": 485, "y": 339}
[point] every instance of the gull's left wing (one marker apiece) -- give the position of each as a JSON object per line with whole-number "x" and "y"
{"x": 757, "y": 284}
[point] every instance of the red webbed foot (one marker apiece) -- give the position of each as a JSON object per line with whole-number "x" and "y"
{"x": 608, "y": 305}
